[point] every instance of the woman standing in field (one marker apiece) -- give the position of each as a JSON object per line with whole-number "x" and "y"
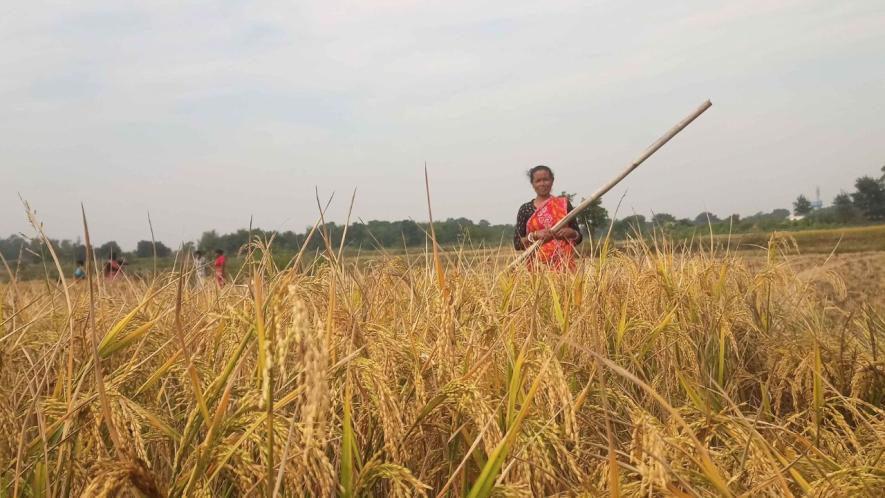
{"x": 113, "y": 267}
{"x": 219, "y": 267}
{"x": 536, "y": 217}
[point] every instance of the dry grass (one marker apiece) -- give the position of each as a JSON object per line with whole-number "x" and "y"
{"x": 863, "y": 274}
{"x": 824, "y": 240}
{"x": 646, "y": 373}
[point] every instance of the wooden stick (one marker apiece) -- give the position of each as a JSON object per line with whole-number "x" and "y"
{"x": 608, "y": 186}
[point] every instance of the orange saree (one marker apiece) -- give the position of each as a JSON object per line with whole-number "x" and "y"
{"x": 557, "y": 254}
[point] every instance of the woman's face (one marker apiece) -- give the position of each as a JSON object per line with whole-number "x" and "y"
{"x": 542, "y": 182}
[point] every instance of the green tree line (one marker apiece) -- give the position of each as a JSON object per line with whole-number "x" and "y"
{"x": 866, "y": 204}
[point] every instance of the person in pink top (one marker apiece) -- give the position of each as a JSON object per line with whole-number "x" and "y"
{"x": 113, "y": 267}
{"x": 220, "y": 261}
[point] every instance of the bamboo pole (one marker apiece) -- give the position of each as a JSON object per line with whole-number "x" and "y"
{"x": 608, "y": 186}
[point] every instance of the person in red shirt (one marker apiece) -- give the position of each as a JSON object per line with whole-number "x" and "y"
{"x": 219, "y": 267}
{"x": 113, "y": 267}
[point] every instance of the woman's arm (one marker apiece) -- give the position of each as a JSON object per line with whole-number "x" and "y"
{"x": 544, "y": 235}
{"x": 520, "y": 237}
{"x": 519, "y": 234}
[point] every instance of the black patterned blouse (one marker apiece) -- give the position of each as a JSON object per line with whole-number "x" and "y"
{"x": 522, "y": 217}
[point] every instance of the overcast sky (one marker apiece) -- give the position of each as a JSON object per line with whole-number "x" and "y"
{"x": 204, "y": 113}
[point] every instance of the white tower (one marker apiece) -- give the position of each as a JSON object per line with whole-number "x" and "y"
{"x": 817, "y": 203}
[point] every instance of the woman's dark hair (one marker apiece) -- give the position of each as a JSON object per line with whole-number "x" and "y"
{"x": 540, "y": 167}
{"x": 80, "y": 262}
{"x": 219, "y": 252}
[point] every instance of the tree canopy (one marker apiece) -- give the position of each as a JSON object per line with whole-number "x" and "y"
{"x": 801, "y": 206}
{"x": 869, "y": 198}
{"x": 145, "y": 249}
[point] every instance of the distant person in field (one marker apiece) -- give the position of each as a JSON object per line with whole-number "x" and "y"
{"x": 201, "y": 269}
{"x": 79, "y": 272}
{"x": 113, "y": 267}
{"x": 535, "y": 219}
{"x": 220, "y": 262}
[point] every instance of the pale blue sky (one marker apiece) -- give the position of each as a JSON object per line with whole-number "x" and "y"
{"x": 205, "y": 113}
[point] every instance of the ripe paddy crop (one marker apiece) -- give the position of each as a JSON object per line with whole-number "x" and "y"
{"x": 646, "y": 372}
